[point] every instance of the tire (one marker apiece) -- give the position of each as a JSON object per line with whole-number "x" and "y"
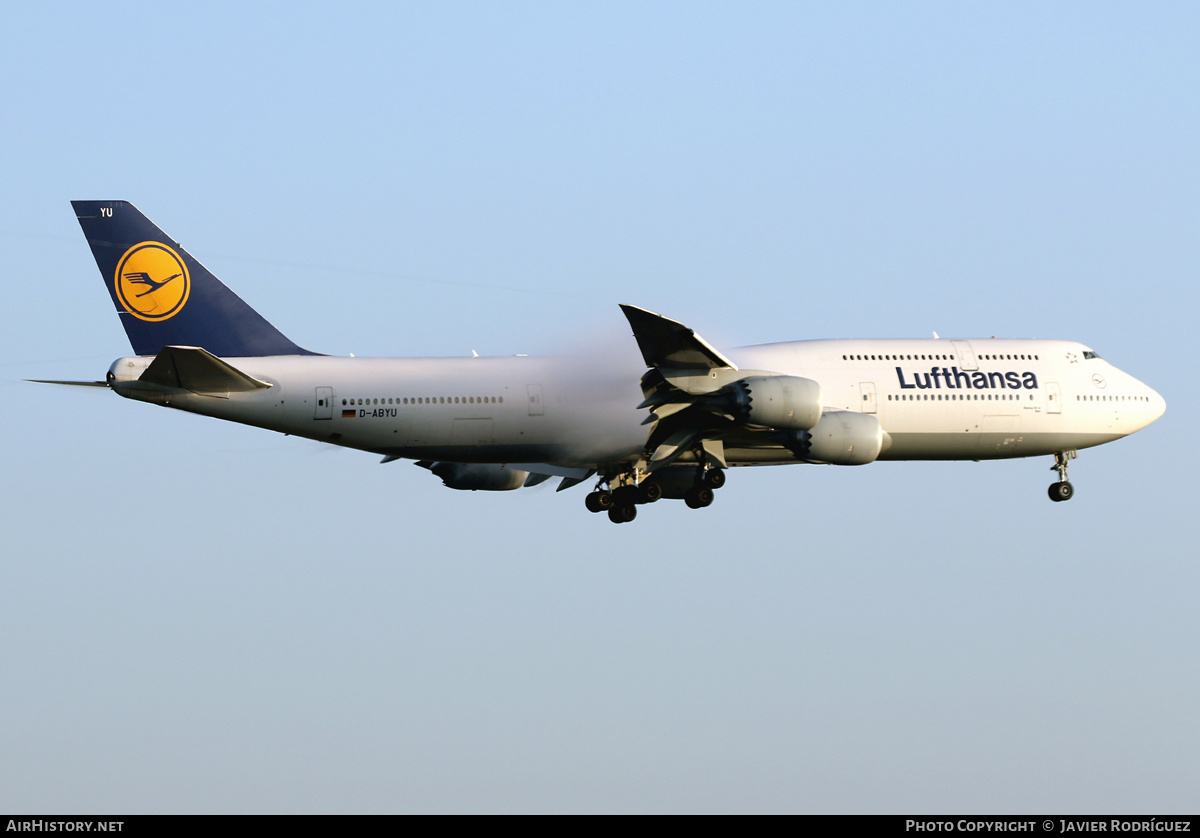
{"x": 625, "y": 496}
{"x": 1061, "y": 491}
{"x": 714, "y": 478}
{"x": 598, "y": 501}
{"x": 622, "y": 514}
{"x": 698, "y": 497}
{"x": 649, "y": 491}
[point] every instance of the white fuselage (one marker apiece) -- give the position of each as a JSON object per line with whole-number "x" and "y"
{"x": 935, "y": 399}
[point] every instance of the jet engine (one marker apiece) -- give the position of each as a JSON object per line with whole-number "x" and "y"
{"x": 786, "y": 402}
{"x": 489, "y": 477}
{"x": 842, "y": 438}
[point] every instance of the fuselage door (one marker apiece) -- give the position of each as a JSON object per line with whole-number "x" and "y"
{"x": 1053, "y": 397}
{"x": 324, "y": 408}
{"x": 867, "y": 405}
{"x": 536, "y": 407}
{"x": 966, "y": 356}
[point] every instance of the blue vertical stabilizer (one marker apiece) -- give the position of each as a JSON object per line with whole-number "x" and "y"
{"x": 164, "y": 296}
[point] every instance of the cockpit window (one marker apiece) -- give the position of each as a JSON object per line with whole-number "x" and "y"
{"x": 1087, "y": 353}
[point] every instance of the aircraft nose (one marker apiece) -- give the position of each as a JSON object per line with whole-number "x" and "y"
{"x": 1151, "y": 408}
{"x": 1158, "y": 406}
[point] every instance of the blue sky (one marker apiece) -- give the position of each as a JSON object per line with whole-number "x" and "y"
{"x": 201, "y": 617}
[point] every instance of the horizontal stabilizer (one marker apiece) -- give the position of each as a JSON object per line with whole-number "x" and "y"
{"x": 195, "y": 369}
{"x": 667, "y": 344}
{"x": 71, "y": 383}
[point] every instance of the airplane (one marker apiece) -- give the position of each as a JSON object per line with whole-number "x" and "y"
{"x": 669, "y": 430}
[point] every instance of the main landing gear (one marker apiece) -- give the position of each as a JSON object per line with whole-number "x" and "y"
{"x": 624, "y": 494}
{"x": 621, "y": 502}
{"x": 700, "y": 495}
{"x": 1062, "y": 490}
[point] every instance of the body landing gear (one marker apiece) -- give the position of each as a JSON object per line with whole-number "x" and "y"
{"x": 622, "y": 514}
{"x": 621, "y": 501}
{"x": 598, "y": 501}
{"x": 619, "y": 495}
{"x": 1062, "y": 490}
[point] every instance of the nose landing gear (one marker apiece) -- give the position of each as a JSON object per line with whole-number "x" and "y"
{"x": 1062, "y": 490}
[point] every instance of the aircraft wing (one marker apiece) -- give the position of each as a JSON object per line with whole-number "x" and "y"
{"x": 666, "y": 343}
{"x": 682, "y": 389}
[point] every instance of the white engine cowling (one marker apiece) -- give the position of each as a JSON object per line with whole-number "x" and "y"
{"x": 844, "y": 438}
{"x": 786, "y": 402}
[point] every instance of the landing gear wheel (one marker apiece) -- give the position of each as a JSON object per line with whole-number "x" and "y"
{"x": 598, "y": 501}
{"x": 714, "y": 478}
{"x": 1061, "y": 491}
{"x": 698, "y": 497}
{"x": 649, "y": 491}
{"x": 625, "y": 496}
{"x": 622, "y": 514}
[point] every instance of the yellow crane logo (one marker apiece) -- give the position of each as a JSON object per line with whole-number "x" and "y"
{"x": 152, "y": 282}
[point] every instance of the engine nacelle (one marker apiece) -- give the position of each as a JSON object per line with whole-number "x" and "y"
{"x": 786, "y": 402}
{"x": 842, "y": 438}
{"x": 489, "y": 477}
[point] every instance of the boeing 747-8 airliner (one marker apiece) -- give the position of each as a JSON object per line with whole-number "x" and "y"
{"x": 504, "y": 423}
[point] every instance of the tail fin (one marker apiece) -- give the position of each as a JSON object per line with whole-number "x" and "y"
{"x": 165, "y": 297}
